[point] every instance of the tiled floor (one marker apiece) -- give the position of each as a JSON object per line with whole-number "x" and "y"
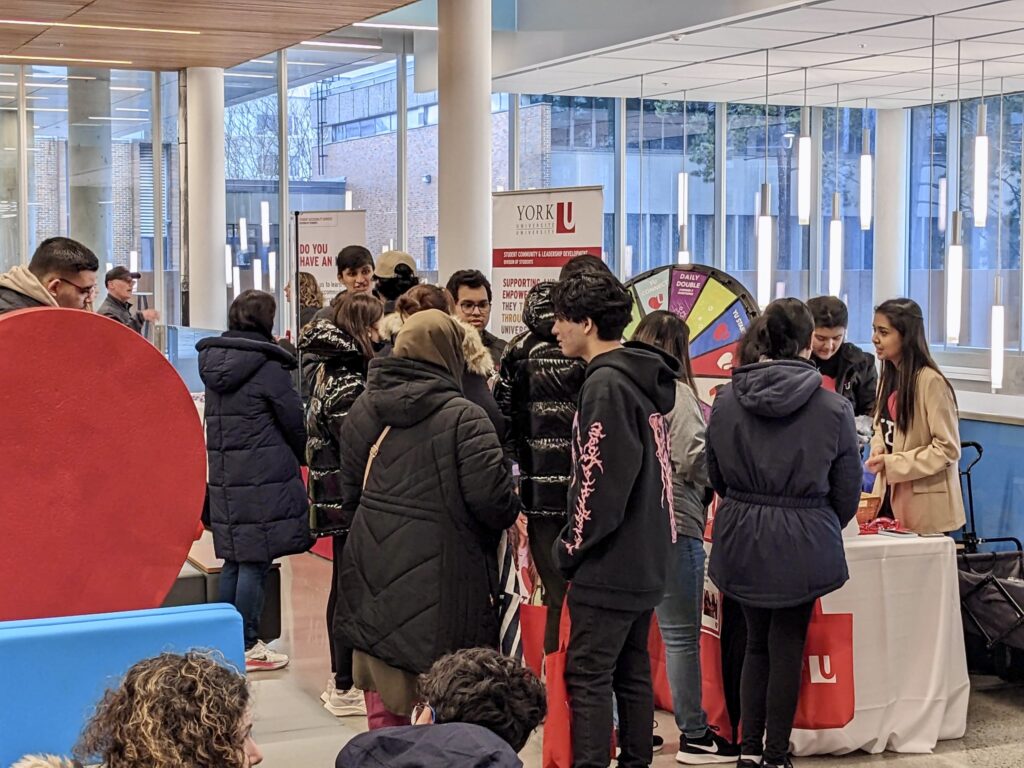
{"x": 294, "y": 729}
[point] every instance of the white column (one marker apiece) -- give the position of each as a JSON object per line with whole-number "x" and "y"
{"x": 207, "y": 228}
{"x": 892, "y": 146}
{"x": 464, "y": 136}
{"x": 91, "y": 164}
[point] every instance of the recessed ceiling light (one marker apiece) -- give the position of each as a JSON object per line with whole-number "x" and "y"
{"x": 412, "y": 27}
{"x": 307, "y": 63}
{"x": 122, "y": 119}
{"x": 131, "y": 109}
{"x": 75, "y": 77}
{"x": 364, "y": 46}
{"x": 63, "y": 58}
{"x": 129, "y": 88}
{"x": 97, "y": 26}
{"x": 262, "y": 61}
{"x": 247, "y": 74}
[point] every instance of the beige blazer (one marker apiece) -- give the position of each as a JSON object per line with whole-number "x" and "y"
{"x": 923, "y": 468}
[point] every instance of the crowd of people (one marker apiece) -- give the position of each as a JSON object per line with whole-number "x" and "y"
{"x": 428, "y": 441}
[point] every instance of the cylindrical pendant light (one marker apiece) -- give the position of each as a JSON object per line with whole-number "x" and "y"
{"x": 943, "y": 209}
{"x": 981, "y": 161}
{"x": 997, "y": 339}
{"x": 955, "y": 252}
{"x": 866, "y": 174}
{"x": 683, "y": 201}
{"x": 238, "y": 281}
{"x": 764, "y": 218}
{"x": 272, "y": 269}
{"x": 229, "y": 262}
{"x": 243, "y": 235}
{"x": 954, "y": 279}
{"x": 265, "y": 222}
{"x": 257, "y": 274}
{"x": 835, "y": 248}
{"x": 835, "y": 226}
{"x": 803, "y": 188}
{"x": 764, "y": 248}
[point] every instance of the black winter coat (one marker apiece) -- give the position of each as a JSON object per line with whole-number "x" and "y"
{"x": 782, "y": 454}
{"x": 537, "y": 392}
{"x": 445, "y": 745}
{"x": 339, "y": 379}
{"x": 255, "y": 444}
{"x": 419, "y": 577}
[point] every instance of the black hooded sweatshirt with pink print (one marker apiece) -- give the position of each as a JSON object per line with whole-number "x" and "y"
{"x": 616, "y": 544}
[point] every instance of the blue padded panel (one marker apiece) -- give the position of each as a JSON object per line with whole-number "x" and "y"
{"x": 56, "y": 670}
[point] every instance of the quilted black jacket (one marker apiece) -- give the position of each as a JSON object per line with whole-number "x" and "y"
{"x": 255, "y": 443}
{"x": 419, "y": 576}
{"x": 537, "y": 392}
{"x": 337, "y": 381}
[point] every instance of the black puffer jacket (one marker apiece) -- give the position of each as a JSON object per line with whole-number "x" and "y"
{"x": 537, "y": 392}
{"x": 339, "y": 379}
{"x": 782, "y": 454}
{"x": 255, "y": 444}
{"x": 856, "y": 377}
{"x": 419, "y": 575}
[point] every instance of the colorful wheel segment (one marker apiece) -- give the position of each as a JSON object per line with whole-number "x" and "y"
{"x": 717, "y": 309}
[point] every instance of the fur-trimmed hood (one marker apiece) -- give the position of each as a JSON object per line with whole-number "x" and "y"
{"x": 43, "y": 761}
{"x": 478, "y": 359}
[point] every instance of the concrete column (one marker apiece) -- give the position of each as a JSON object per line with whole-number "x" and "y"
{"x": 10, "y": 243}
{"x": 90, "y": 162}
{"x": 206, "y": 222}
{"x": 892, "y": 147}
{"x": 464, "y": 136}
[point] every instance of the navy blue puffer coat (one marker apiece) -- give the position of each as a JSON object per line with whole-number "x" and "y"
{"x": 255, "y": 444}
{"x": 783, "y": 455}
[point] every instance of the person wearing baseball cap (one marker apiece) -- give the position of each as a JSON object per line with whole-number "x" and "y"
{"x": 395, "y": 273}
{"x": 117, "y": 306}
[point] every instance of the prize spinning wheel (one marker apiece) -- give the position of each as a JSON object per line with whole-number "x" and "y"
{"x": 717, "y": 310}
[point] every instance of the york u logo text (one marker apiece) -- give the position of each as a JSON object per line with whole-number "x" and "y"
{"x": 821, "y": 670}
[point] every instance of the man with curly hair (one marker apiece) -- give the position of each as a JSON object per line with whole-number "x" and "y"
{"x": 614, "y": 550}
{"x": 170, "y": 711}
{"x": 480, "y": 706}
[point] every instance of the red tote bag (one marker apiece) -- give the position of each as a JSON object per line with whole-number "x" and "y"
{"x": 828, "y": 697}
{"x": 532, "y": 622}
{"x": 557, "y": 741}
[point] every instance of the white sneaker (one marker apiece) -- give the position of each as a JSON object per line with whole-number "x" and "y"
{"x": 348, "y": 703}
{"x": 260, "y": 658}
{"x": 329, "y": 690}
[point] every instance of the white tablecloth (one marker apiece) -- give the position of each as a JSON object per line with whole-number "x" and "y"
{"x": 910, "y": 667}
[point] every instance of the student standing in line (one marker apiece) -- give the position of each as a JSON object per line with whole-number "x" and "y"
{"x": 537, "y": 390}
{"x": 679, "y": 614}
{"x": 615, "y": 549}
{"x": 916, "y": 446}
{"x": 783, "y": 457}
{"x": 255, "y": 445}
{"x": 345, "y": 347}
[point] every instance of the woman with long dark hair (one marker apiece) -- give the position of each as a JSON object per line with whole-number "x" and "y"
{"x": 916, "y": 446}
{"x": 679, "y": 614}
{"x": 344, "y": 347}
{"x": 783, "y": 457}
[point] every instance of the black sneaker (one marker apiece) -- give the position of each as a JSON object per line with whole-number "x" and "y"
{"x": 744, "y": 762}
{"x": 786, "y": 763}
{"x": 711, "y": 749}
{"x": 658, "y": 743}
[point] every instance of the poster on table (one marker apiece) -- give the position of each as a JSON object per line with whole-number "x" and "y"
{"x": 535, "y": 233}
{"x": 319, "y": 235}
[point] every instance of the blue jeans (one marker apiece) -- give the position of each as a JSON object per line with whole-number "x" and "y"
{"x": 679, "y": 618}
{"x": 244, "y": 586}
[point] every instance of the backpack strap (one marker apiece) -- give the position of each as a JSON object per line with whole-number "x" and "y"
{"x": 374, "y": 450}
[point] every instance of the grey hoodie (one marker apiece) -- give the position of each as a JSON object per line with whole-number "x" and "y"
{"x": 689, "y": 463}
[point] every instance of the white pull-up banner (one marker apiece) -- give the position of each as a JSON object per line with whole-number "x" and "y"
{"x": 535, "y": 233}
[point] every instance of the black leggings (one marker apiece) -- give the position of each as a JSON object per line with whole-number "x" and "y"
{"x": 770, "y": 684}
{"x": 341, "y": 651}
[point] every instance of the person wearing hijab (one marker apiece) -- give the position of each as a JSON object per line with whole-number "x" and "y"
{"x": 424, "y": 479}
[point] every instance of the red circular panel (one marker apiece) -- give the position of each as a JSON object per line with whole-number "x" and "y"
{"x": 103, "y": 467}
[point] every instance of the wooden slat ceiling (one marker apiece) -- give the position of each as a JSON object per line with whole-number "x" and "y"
{"x": 232, "y": 31}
